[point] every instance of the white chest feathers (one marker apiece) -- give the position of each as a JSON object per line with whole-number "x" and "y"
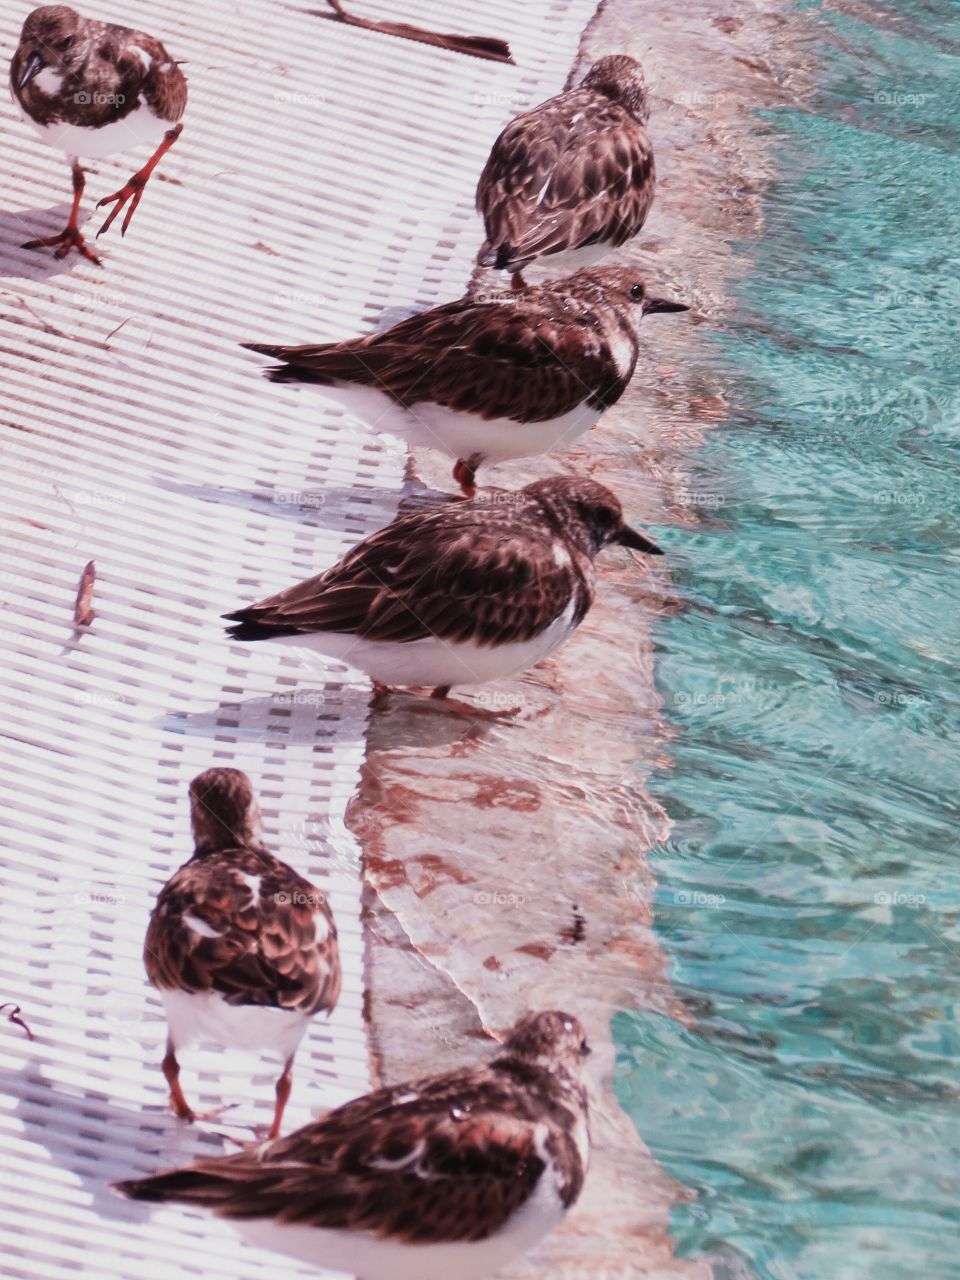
{"x": 133, "y": 130}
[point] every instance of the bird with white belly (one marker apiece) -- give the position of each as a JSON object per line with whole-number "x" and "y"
{"x": 94, "y": 89}
{"x": 475, "y": 591}
{"x": 489, "y": 379}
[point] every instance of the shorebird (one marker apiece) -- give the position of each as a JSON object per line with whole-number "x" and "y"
{"x": 452, "y": 1175}
{"x": 572, "y": 179}
{"x": 473, "y": 592}
{"x": 93, "y": 89}
{"x": 486, "y": 381}
{"x": 242, "y": 949}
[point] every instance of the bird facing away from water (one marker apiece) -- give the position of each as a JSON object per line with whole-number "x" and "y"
{"x": 242, "y": 949}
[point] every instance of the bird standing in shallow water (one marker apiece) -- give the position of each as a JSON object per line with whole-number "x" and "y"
{"x": 473, "y": 592}
{"x": 572, "y": 179}
{"x": 242, "y": 949}
{"x": 93, "y": 89}
{"x": 448, "y": 1176}
{"x": 490, "y": 380}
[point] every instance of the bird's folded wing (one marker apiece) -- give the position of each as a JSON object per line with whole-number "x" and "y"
{"x": 164, "y": 84}
{"x": 427, "y": 1172}
{"x": 566, "y": 183}
{"x": 129, "y": 69}
{"x": 520, "y": 357}
{"x": 208, "y": 932}
{"x": 454, "y": 579}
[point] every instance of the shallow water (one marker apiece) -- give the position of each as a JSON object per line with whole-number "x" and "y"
{"x": 808, "y": 895}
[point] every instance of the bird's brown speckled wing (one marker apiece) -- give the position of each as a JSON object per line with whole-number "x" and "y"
{"x": 113, "y": 82}
{"x": 577, "y": 171}
{"x": 472, "y": 572}
{"x": 164, "y": 86}
{"x": 270, "y": 942}
{"x": 530, "y": 358}
{"x": 441, "y": 1160}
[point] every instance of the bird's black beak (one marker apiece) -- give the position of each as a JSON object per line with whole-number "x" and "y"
{"x": 663, "y": 304}
{"x": 35, "y": 65}
{"x": 638, "y": 541}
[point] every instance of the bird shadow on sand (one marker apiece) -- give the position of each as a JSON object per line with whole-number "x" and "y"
{"x": 19, "y": 226}
{"x": 98, "y": 1141}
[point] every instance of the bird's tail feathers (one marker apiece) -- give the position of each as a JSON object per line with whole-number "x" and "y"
{"x": 247, "y": 626}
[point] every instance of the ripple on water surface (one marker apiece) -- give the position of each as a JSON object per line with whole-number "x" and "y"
{"x": 809, "y": 892}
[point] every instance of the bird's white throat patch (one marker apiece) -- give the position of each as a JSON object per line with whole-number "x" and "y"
{"x": 623, "y": 352}
{"x": 49, "y": 81}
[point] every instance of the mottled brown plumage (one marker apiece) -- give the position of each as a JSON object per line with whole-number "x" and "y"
{"x": 104, "y": 78}
{"x": 575, "y": 172}
{"x": 494, "y": 572}
{"x": 92, "y": 89}
{"x": 450, "y": 1158}
{"x": 238, "y": 924}
{"x": 530, "y": 358}
{"x": 558, "y": 354}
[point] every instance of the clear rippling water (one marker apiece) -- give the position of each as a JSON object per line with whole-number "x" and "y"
{"x": 809, "y": 895}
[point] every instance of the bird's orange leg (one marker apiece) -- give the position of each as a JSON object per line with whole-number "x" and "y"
{"x": 284, "y": 1086}
{"x": 132, "y": 190}
{"x": 171, "y": 1071}
{"x": 71, "y": 237}
{"x": 178, "y": 1102}
{"x": 465, "y": 474}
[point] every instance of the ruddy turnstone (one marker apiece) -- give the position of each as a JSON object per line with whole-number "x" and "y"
{"x": 242, "y": 949}
{"x": 473, "y": 592}
{"x": 487, "y": 380}
{"x": 92, "y": 89}
{"x": 452, "y": 1175}
{"x": 477, "y": 46}
{"x": 572, "y": 179}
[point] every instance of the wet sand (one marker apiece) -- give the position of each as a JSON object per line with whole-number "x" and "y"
{"x": 506, "y": 861}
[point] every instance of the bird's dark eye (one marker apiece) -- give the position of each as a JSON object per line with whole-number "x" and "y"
{"x": 597, "y": 515}
{"x": 65, "y": 43}
{"x": 636, "y": 292}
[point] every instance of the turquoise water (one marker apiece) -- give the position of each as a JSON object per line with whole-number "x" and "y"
{"x": 809, "y": 898}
